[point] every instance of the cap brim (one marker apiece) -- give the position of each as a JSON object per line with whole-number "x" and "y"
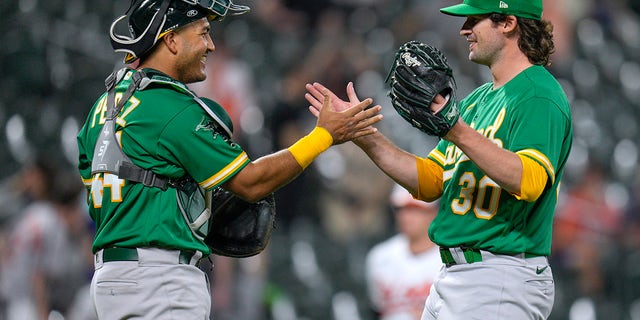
{"x": 463, "y": 10}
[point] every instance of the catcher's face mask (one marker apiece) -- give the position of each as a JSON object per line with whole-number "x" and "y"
{"x": 149, "y": 20}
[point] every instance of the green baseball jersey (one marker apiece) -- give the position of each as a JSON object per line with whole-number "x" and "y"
{"x": 161, "y": 128}
{"x": 529, "y": 115}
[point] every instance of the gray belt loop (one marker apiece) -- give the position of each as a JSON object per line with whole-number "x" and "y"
{"x": 196, "y": 257}
{"x": 458, "y": 255}
{"x": 97, "y": 260}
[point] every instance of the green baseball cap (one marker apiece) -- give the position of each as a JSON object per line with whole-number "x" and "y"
{"x": 531, "y": 9}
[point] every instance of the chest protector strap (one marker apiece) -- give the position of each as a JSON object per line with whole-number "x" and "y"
{"x": 108, "y": 155}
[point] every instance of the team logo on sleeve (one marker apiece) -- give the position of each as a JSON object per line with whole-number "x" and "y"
{"x": 209, "y": 125}
{"x": 205, "y": 124}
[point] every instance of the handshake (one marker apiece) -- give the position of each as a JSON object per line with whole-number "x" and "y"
{"x": 422, "y": 91}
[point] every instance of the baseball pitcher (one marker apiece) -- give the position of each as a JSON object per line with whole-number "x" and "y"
{"x": 497, "y": 167}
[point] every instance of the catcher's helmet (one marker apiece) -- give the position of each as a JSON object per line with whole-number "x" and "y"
{"x": 149, "y": 20}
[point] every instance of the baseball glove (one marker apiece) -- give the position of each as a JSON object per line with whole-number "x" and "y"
{"x": 419, "y": 73}
{"x": 239, "y": 228}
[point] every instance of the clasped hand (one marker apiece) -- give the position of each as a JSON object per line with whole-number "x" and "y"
{"x": 344, "y": 120}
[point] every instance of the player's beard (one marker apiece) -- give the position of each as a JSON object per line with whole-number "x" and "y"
{"x": 486, "y": 51}
{"x": 192, "y": 67}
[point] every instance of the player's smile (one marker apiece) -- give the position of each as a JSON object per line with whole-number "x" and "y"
{"x": 197, "y": 45}
{"x": 472, "y": 43}
{"x": 467, "y": 30}
{"x": 203, "y": 62}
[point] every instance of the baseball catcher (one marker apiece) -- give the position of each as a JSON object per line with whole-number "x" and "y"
{"x": 151, "y": 149}
{"x": 419, "y": 73}
{"x": 228, "y": 225}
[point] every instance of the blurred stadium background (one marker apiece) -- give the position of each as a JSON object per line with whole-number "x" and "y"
{"x": 55, "y": 55}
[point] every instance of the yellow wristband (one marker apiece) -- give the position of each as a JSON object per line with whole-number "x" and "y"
{"x": 310, "y": 146}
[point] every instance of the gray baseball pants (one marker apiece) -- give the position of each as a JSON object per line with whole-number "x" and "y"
{"x": 500, "y": 287}
{"x": 157, "y": 286}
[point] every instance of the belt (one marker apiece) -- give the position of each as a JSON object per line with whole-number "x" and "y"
{"x": 131, "y": 254}
{"x": 469, "y": 255}
{"x": 464, "y": 255}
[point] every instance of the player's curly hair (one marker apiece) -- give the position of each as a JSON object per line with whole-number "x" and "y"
{"x": 536, "y": 38}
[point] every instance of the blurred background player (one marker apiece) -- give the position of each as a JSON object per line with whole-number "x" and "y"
{"x": 401, "y": 269}
{"x": 48, "y": 260}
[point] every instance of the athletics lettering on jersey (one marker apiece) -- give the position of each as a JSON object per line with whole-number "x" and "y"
{"x": 454, "y": 155}
{"x": 490, "y": 131}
